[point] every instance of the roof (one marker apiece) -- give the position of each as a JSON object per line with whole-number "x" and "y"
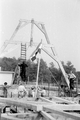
{"x": 6, "y": 72}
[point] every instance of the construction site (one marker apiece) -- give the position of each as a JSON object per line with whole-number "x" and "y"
{"x": 17, "y": 105}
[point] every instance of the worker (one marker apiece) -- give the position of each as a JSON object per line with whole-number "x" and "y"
{"x": 72, "y": 77}
{"x": 5, "y": 89}
{"x": 33, "y": 92}
{"x": 13, "y": 109}
{"x": 21, "y": 90}
{"x": 23, "y": 66}
{"x": 43, "y": 92}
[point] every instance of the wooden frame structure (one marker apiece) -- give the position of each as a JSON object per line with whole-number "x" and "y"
{"x": 41, "y": 27}
{"x": 45, "y": 109}
{"x": 48, "y": 110}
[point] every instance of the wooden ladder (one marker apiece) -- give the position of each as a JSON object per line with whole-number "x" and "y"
{"x": 23, "y": 51}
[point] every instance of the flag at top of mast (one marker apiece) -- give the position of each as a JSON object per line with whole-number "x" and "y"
{"x": 37, "y": 52}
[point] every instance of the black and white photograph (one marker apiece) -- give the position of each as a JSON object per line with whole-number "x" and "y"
{"x": 39, "y": 59}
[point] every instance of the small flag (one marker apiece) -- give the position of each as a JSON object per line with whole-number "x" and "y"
{"x": 36, "y": 52}
{"x": 33, "y": 58}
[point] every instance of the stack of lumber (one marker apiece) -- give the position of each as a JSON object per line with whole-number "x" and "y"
{"x": 42, "y": 109}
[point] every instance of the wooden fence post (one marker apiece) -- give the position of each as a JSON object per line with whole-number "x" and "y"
{"x": 0, "y": 113}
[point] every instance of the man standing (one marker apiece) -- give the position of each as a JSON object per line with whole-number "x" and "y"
{"x": 23, "y": 66}
{"x": 5, "y": 89}
{"x": 72, "y": 77}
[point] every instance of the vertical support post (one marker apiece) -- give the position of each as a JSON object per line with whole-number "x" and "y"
{"x": 31, "y": 39}
{"x": 42, "y": 80}
{"x": 12, "y": 78}
{"x": 28, "y": 79}
{"x": 77, "y": 85}
{"x": 37, "y": 76}
{"x": 11, "y": 94}
{"x": 48, "y": 88}
{"x": 26, "y": 50}
{"x": 0, "y": 113}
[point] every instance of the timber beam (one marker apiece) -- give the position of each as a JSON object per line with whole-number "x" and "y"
{"x": 21, "y": 103}
{"x": 28, "y": 43}
{"x": 62, "y": 113}
{"x": 58, "y": 99}
{"x": 47, "y": 116}
{"x": 65, "y": 107}
{"x": 6, "y": 117}
{"x": 46, "y": 100}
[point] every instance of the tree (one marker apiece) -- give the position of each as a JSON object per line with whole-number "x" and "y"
{"x": 31, "y": 71}
{"x": 8, "y": 64}
{"x": 43, "y": 73}
{"x": 56, "y": 73}
{"x": 78, "y": 76}
{"x": 68, "y": 67}
{"x": 46, "y": 73}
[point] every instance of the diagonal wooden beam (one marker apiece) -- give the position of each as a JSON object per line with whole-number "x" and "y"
{"x": 59, "y": 112}
{"x": 46, "y": 100}
{"x": 47, "y": 115}
{"x": 13, "y": 35}
{"x": 58, "y": 99}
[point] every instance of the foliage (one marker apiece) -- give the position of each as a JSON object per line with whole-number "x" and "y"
{"x": 68, "y": 67}
{"x": 56, "y": 73}
{"x": 43, "y": 74}
{"x": 78, "y": 76}
{"x": 47, "y": 74}
{"x": 8, "y": 64}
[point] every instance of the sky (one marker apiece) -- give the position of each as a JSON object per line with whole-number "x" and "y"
{"x": 60, "y": 17}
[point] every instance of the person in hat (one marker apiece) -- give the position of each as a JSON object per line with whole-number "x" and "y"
{"x": 21, "y": 90}
{"x": 5, "y": 89}
{"x": 72, "y": 77}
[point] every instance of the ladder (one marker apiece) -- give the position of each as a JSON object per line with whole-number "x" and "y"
{"x": 23, "y": 51}
{"x": 22, "y": 58}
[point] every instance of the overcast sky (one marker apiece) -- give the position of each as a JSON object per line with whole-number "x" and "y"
{"x": 61, "y": 19}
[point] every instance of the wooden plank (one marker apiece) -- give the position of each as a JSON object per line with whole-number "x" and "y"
{"x": 47, "y": 116}
{"x": 58, "y": 99}
{"x": 39, "y": 106}
{"x": 21, "y": 103}
{"x": 22, "y": 114}
{"x": 65, "y": 107}
{"x": 46, "y": 100}
{"x": 70, "y": 107}
{"x": 6, "y": 117}
{"x": 59, "y": 112}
